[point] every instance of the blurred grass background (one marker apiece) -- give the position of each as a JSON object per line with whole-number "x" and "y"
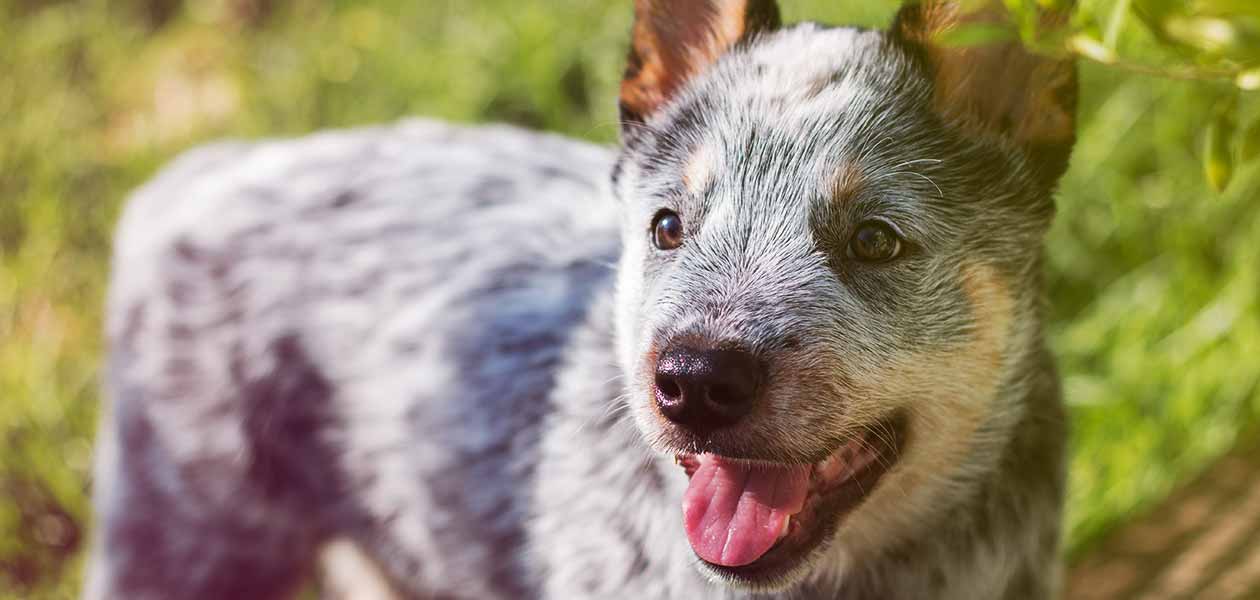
{"x": 1153, "y": 279}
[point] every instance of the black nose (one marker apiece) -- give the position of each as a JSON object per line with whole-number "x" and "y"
{"x": 706, "y": 389}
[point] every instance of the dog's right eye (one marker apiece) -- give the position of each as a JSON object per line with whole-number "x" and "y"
{"x": 875, "y": 241}
{"x": 667, "y": 230}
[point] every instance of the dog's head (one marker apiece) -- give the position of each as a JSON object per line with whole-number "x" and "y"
{"x": 831, "y": 268}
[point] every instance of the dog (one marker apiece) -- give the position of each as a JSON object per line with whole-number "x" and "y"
{"x": 786, "y": 340}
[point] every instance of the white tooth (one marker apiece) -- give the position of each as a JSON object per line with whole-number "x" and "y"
{"x": 786, "y": 522}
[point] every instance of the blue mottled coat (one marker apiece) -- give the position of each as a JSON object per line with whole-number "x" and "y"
{"x": 427, "y": 342}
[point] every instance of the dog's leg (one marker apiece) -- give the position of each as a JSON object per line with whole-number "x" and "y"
{"x": 211, "y": 469}
{"x": 202, "y": 495}
{"x": 160, "y": 538}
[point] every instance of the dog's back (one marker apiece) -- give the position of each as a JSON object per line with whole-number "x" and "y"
{"x": 350, "y": 334}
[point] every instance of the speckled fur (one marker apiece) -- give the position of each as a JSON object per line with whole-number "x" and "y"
{"x": 429, "y": 340}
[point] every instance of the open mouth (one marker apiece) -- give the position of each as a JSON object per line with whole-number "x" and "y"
{"x": 756, "y": 521}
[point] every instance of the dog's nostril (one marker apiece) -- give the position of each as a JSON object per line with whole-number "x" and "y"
{"x": 668, "y": 386}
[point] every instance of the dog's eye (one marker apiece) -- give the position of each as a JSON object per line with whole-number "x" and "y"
{"x": 667, "y": 230}
{"x": 875, "y": 241}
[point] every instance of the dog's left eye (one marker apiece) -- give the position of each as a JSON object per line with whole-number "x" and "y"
{"x": 875, "y": 241}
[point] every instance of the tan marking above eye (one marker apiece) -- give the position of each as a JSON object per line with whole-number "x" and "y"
{"x": 846, "y": 182}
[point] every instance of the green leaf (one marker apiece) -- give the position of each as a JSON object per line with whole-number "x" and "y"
{"x": 1210, "y": 34}
{"x": 1158, "y": 10}
{"x": 978, "y": 34}
{"x": 1234, "y": 37}
{"x": 1225, "y": 7}
{"x": 1249, "y": 143}
{"x": 1218, "y": 161}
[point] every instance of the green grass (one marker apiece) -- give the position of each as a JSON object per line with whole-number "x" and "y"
{"x": 1152, "y": 278}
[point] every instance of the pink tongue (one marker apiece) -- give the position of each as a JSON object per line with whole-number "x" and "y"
{"x": 733, "y": 513}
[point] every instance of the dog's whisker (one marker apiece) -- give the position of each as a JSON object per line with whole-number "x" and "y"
{"x": 921, "y": 161}
{"x": 939, "y": 191}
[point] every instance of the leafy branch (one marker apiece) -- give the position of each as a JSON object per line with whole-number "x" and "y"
{"x": 1213, "y": 43}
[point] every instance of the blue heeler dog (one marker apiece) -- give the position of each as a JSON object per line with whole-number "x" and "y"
{"x": 792, "y": 345}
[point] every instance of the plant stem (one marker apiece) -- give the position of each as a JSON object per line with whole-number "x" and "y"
{"x": 1115, "y": 23}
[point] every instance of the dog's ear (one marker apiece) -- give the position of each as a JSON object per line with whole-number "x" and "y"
{"x": 675, "y": 40}
{"x": 999, "y": 89}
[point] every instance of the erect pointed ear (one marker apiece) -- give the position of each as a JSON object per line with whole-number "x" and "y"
{"x": 1000, "y": 89}
{"x": 675, "y": 40}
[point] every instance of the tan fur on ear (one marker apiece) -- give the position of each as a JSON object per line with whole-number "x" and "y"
{"x": 674, "y": 40}
{"x": 1000, "y": 89}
